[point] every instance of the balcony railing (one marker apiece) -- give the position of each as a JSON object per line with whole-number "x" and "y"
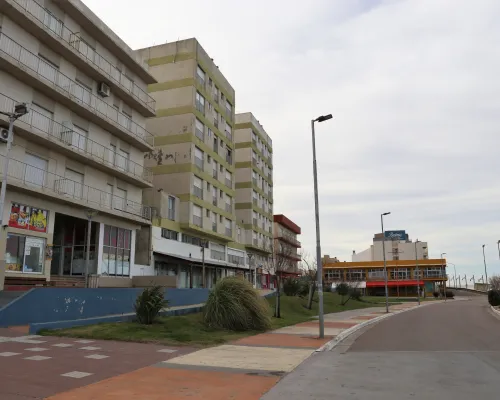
{"x": 38, "y": 179}
{"x": 229, "y": 183}
{"x": 229, "y": 232}
{"x": 78, "y": 93}
{"x": 198, "y": 162}
{"x": 289, "y": 239}
{"x": 198, "y": 221}
{"x": 57, "y": 28}
{"x": 66, "y": 135}
{"x": 198, "y": 192}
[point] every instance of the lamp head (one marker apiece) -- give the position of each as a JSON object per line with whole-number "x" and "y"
{"x": 323, "y": 118}
{"x": 387, "y": 213}
{"x": 21, "y": 109}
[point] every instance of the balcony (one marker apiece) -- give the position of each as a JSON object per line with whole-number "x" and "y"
{"x": 43, "y": 25}
{"x": 290, "y": 240}
{"x": 198, "y": 192}
{"x": 47, "y": 132}
{"x": 34, "y": 71}
{"x": 229, "y": 183}
{"x": 229, "y": 208}
{"x": 59, "y": 188}
{"x": 229, "y": 232}
{"x": 198, "y": 221}
{"x": 198, "y": 162}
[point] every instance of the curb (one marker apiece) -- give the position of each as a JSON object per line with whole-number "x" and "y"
{"x": 348, "y": 332}
{"x": 497, "y": 312}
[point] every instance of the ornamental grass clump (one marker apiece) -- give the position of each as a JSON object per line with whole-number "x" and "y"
{"x": 233, "y": 304}
{"x": 149, "y": 304}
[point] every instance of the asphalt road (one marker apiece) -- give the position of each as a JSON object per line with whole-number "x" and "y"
{"x": 440, "y": 351}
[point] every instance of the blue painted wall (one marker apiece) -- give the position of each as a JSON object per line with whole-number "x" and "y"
{"x": 62, "y": 304}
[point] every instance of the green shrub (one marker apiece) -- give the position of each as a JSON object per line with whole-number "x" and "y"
{"x": 494, "y": 298}
{"x": 303, "y": 288}
{"x": 450, "y": 294}
{"x": 436, "y": 294}
{"x": 291, "y": 286}
{"x": 356, "y": 294}
{"x": 149, "y": 304}
{"x": 342, "y": 289}
{"x": 233, "y": 304}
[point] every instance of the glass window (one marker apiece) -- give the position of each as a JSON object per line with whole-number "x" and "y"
{"x": 171, "y": 208}
{"x": 168, "y": 234}
{"x": 36, "y": 170}
{"x": 116, "y": 251}
{"x": 24, "y": 254}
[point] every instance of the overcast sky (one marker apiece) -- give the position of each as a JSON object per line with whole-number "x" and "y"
{"x": 413, "y": 85}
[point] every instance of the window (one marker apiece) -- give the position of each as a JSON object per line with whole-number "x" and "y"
{"x": 24, "y": 254}
{"x": 168, "y": 234}
{"x": 42, "y": 118}
{"x": 198, "y": 158}
{"x": 199, "y": 129}
{"x": 194, "y": 241}
{"x": 120, "y": 199}
{"x": 220, "y": 219}
{"x": 197, "y": 215}
{"x": 208, "y": 187}
{"x": 208, "y": 213}
{"x": 200, "y": 103}
{"x": 200, "y": 76}
{"x": 116, "y": 251}
{"x": 171, "y": 208}
{"x": 36, "y": 170}
{"x": 73, "y": 184}
{"x": 209, "y": 133}
{"x": 122, "y": 159}
{"x": 109, "y": 195}
{"x": 221, "y": 194}
{"x": 209, "y": 159}
{"x": 229, "y": 178}
{"x": 227, "y": 224}
{"x": 198, "y": 187}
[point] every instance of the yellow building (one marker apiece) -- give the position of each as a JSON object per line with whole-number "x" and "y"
{"x": 402, "y": 275}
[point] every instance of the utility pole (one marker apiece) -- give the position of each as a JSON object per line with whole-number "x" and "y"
{"x": 465, "y": 278}
{"x": 385, "y": 262}
{"x": 485, "y": 270}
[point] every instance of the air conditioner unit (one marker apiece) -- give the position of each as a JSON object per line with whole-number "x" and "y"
{"x": 4, "y": 135}
{"x": 104, "y": 90}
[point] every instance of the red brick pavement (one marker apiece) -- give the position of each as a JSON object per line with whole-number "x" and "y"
{"x": 22, "y": 378}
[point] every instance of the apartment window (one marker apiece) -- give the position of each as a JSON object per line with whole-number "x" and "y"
{"x": 168, "y": 234}
{"x": 229, "y": 230}
{"x": 198, "y": 187}
{"x": 229, "y": 132}
{"x": 214, "y": 222}
{"x": 229, "y": 179}
{"x": 209, "y": 159}
{"x": 109, "y": 195}
{"x": 171, "y": 208}
{"x": 122, "y": 159}
{"x": 221, "y": 194}
{"x": 254, "y": 138}
{"x": 73, "y": 185}
{"x": 116, "y": 250}
{"x": 214, "y": 171}
{"x": 216, "y": 94}
{"x": 194, "y": 241}
{"x": 120, "y": 199}
{"x": 207, "y": 213}
{"x": 229, "y": 202}
{"x": 229, "y": 109}
{"x": 217, "y": 252}
{"x": 221, "y": 169}
{"x": 216, "y": 119}
{"x": 208, "y": 187}
{"x": 210, "y": 83}
{"x": 234, "y": 259}
{"x": 36, "y": 170}
{"x": 229, "y": 156}
{"x": 200, "y": 103}
{"x": 200, "y": 76}
{"x": 214, "y": 195}
{"x": 209, "y": 133}
{"x": 220, "y": 219}
{"x": 24, "y": 254}
{"x": 42, "y": 118}
{"x": 197, "y": 215}
{"x": 199, "y": 129}
{"x": 198, "y": 157}
{"x": 238, "y": 234}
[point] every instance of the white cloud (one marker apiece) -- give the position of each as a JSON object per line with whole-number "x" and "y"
{"x": 413, "y": 85}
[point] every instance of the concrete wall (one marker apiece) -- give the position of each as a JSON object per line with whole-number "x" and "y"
{"x": 60, "y": 304}
{"x": 148, "y": 281}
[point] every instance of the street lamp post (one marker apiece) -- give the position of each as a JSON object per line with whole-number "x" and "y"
{"x": 321, "y": 118}
{"x": 416, "y": 270}
{"x": 444, "y": 275}
{"x": 498, "y": 244}
{"x": 385, "y": 263}
{"x": 485, "y": 270}
{"x": 20, "y": 109}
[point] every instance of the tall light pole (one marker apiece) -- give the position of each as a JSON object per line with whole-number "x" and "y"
{"x": 416, "y": 270}
{"x": 485, "y": 270}
{"x": 385, "y": 264}
{"x": 321, "y": 118}
{"x": 444, "y": 275}
{"x": 20, "y": 109}
{"x": 498, "y": 244}
{"x": 455, "y": 271}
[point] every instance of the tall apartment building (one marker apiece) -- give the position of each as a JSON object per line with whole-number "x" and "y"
{"x": 254, "y": 185}
{"x": 79, "y": 152}
{"x": 193, "y": 168}
{"x": 286, "y": 245}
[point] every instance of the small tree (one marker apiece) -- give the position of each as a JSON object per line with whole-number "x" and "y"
{"x": 342, "y": 289}
{"x": 351, "y": 291}
{"x": 310, "y": 272}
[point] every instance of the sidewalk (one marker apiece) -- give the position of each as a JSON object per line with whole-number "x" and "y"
{"x": 242, "y": 370}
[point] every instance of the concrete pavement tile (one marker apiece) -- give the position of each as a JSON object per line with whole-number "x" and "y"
{"x": 152, "y": 383}
{"x": 242, "y": 357}
{"x": 305, "y": 330}
{"x": 282, "y": 340}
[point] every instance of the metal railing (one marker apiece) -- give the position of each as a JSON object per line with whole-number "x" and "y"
{"x": 198, "y": 162}
{"x": 229, "y": 232}
{"x": 35, "y": 178}
{"x": 198, "y": 192}
{"x": 58, "y": 29}
{"x": 198, "y": 221}
{"x": 65, "y": 134}
{"x": 78, "y": 93}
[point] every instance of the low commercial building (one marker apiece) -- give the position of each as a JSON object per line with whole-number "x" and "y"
{"x": 286, "y": 246}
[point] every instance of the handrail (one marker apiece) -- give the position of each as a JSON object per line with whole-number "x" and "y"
{"x": 57, "y": 27}
{"x": 60, "y": 186}
{"x": 65, "y": 134}
{"x": 73, "y": 89}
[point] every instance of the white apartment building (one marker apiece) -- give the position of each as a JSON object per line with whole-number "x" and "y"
{"x": 79, "y": 152}
{"x": 398, "y": 246}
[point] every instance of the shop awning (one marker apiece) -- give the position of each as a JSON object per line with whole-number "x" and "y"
{"x": 198, "y": 261}
{"x": 395, "y": 283}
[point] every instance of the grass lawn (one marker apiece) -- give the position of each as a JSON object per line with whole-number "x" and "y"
{"x": 190, "y": 330}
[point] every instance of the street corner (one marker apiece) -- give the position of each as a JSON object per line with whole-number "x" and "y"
{"x": 152, "y": 383}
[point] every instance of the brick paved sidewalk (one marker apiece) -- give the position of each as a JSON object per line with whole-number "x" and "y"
{"x": 242, "y": 370}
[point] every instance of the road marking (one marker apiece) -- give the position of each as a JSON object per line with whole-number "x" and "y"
{"x": 89, "y": 348}
{"x": 62, "y": 345}
{"x": 76, "y": 374}
{"x": 37, "y": 358}
{"x": 96, "y": 356}
{"x": 8, "y": 354}
{"x": 84, "y": 341}
{"x": 36, "y": 349}
{"x": 166, "y": 351}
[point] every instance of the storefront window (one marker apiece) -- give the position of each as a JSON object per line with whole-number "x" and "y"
{"x": 24, "y": 254}
{"x": 116, "y": 251}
